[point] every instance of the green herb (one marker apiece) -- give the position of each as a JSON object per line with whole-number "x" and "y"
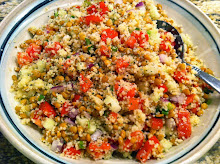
{"x": 111, "y": 88}
{"x": 148, "y": 32}
{"x": 165, "y": 112}
{"x": 114, "y": 48}
{"x": 208, "y": 101}
{"x": 207, "y": 90}
{"x": 88, "y": 124}
{"x": 158, "y": 109}
{"x": 68, "y": 57}
{"x": 106, "y": 113}
{"x": 88, "y": 42}
{"x": 73, "y": 16}
{"x": 87, "y": 3}
{"x": 81, "y": 144}
{"x": 41, "y": 97}
{"x": 90, "y": 48}
{"x": 169, "y": 106}
{"x": 56, "y": 14}
{"x": 138, "y": 29}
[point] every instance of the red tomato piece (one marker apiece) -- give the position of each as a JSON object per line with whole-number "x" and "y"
{"x": 164, "y": 45}
{"x": 78, "y": 7}
{"x": 76, "y": 98}
{"x": 190, "y": 99}
{"x": 184, "y": 128}
{"x": 36, "y": 117}
{"x": 131, "y": 42}
{"x": 97, "y": 151}
{"x": 71, "y": 152}
{"x": 23, "y": 59}
{"x": 105, "y": 51}
{"x": 64, "y": 110}
{"x": 108, "y": 33}
{"x": 146, "y": 151}
{"x": 131, "y": 93}
{"x": 156, "y": 123}
{"x": 121, "y": 64}
{"x": 103, "y": 7}
{"x": 180, "y": 76}
{"x": 195, "y": 109}
{"x": 33, "y": 50}
{"x": 133, "y": 103}
{"x": 47, "y": 109}
{"x": 164, "y": 87}
{"x": 113, "y": 116}
{"x": 92, "y": 19}
{"x": 85, "y": 83}
{"x": 92, "y": 9}
{"x": 52, "y": 49}
{"x": 139, "y": 137}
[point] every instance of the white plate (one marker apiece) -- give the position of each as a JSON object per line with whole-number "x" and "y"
{"x": 13, "y": 30}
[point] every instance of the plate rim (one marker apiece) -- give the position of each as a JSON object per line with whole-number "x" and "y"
{"x": 35, "y": 157}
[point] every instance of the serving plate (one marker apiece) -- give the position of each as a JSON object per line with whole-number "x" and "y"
{"x": 13, "y": 31}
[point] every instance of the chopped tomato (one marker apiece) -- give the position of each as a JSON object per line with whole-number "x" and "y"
{"x": 78, "y": 7}
{"x": 64, "y": 110}
{"x": 23, "y": 59}
{"x": 103, "y": 7}
{"x": 76, "y": 97}
{"x": 47, "y": 109}
{"x": 85, "y": 83}
{"x": 184, "y": 128}
{"x": 121, "y": 64}
{"x": 113, "y": 116}
{"x": 67, "y": 64}
{"x": 195, "y": 109}
{"x": 92, "y": 19}
{"x": 156, "y": 123}
{"x": 104, "y": 51}
{"x": 140, "y": 37}
{"x": 164, "y": 87}
{"x": 131, "y": 42}
{"x": 138, "y": 137}
{"x": 146, "y": 151}
{"x": 190, "y": 99}
{"x": 122, "y": 92}
{"x": 165, "y": 46}
{"x": 33, "y": 50}
{"x": 92, "y": 9}
{"x": 52, "y": 49}
{"x": 108, "y": 33}
{"x": 141, "y": 103}
{"x": 180, "y": 76}
{"x": 71, "y": 152}
{"x": 97, "y": 151}
{"x": 133, "y": 103}
{"x": 36, "y": 117}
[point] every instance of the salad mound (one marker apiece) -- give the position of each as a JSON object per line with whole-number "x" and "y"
{"x": 100, "y": 81}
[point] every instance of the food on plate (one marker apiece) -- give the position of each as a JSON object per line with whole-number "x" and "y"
{"x": 100, "y": 80}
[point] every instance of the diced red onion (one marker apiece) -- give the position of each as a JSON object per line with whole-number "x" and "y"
{"x": 57, "y": 89}
{"x": 118, "y": 1}
{"x": 69, "y": 121}
{"x": 95, "y": 135}
{"x": 76, "y": 54}
{"x": 140, "y": 4}
{"x": 164, "y": 100}
{"x": 90, "y": 65}
{"x": 170, "y": 124}
{"x": 73, "y": 114}
{"x": 178, "y": 99}
{"x": 114, "y": 146}
{"x": 163, "y": 58}
{"x": 130, "y": 10}
{"x": 87, "y": 115}
{"x": 57, "y": 145}
{"x": 48, "y": 32}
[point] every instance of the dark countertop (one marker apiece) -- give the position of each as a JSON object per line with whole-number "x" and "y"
{"x": 10, "y": 155}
